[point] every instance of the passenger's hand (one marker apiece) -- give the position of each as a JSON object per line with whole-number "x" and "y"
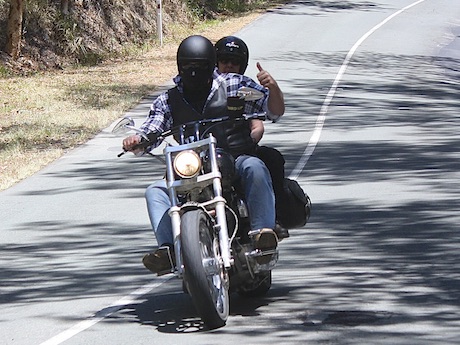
{"x": 275, "y": 99}
{"x": 265, "y": 79}
{"x": 130, "y": 143}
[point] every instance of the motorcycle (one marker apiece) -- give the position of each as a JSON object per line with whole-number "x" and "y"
{"x": 214, "y": 252}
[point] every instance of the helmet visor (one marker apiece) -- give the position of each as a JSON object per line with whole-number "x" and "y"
{"x": 194, "y": 65}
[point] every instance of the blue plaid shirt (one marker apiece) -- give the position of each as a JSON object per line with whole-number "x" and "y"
{"x": 160, "y": 117}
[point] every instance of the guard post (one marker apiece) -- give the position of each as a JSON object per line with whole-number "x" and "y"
{"x": 159, "y": 23}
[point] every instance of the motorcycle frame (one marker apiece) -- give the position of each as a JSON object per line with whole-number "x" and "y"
{"x": 175, "y": 185}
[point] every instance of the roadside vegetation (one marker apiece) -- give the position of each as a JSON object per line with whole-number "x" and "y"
{"x": 45, "y": 112}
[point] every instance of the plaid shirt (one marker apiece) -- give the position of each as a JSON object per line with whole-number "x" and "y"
{"x": 160, "y": 117}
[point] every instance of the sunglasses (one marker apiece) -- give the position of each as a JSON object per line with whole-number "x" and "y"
{"x": 232, "y": 60}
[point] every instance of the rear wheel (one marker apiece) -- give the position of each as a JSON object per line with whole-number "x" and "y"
{"x": 264, "y": 281}
{"x": 205, "y": 277}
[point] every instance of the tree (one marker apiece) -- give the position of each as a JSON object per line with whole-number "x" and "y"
{"x": 14, "y": 28}
{"x": 65, "y": 7}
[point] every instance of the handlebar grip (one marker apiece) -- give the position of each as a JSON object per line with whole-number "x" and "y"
{"x": 147, "y": 141}
{"x": 144, "y": 143}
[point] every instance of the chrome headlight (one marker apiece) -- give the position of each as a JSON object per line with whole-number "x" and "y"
{"x": 187, "y": 164}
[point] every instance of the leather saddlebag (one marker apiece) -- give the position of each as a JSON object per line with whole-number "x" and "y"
{"x": 296, "y": 206}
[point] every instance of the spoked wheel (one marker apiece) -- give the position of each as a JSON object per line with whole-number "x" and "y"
{"x": 204, "y": 274}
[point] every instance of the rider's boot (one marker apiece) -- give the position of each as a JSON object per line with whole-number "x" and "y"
{"x": 281, "y": 232}
{"x": 266, "y": 241}
{"x": 161, "y": 261}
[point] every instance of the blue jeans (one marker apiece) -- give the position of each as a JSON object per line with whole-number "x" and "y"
{"x": 257, "y": 185}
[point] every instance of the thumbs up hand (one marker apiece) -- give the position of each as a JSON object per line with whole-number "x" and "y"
{"x": 265, "y": 79}
{"x": 259, "y": 67}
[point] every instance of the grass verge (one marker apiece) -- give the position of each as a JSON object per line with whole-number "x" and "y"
{"x": 44, "y": 115}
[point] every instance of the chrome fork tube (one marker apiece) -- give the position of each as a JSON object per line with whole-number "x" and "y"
{"x": 175, "y": 222}
{"x": 174, "y": 213}
{"x": 220, "y": 210}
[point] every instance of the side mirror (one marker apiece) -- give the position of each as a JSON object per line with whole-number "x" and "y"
{"x": 125, "y": 125}
{"x": 249, "y": 94}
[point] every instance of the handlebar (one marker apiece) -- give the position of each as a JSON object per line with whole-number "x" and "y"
{"x": 243, "y": 117}
{"x": 151, "y": 138}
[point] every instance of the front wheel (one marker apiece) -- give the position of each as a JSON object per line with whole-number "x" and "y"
{"x": 204, "y": 274}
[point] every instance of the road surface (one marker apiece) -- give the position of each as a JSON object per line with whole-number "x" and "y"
{"x": 371, "y": 132}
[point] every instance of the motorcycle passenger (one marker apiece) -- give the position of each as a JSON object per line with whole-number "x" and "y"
{"x": 200, "y": 92}
{"x": 232, "y": 57}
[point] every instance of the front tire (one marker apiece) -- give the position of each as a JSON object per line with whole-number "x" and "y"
{"x": 204, "y": 275}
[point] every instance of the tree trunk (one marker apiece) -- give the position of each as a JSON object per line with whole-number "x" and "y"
{"x": 65, "y": 7}
{"x": 14, "y": 28}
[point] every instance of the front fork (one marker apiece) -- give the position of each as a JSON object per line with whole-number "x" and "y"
{"x": 220, "y": 227}
{"x": 220, "y": 205}
{"x": 174, "y": 213}
{"x": 220, "y": 211}
{"x": 223, "y": 232}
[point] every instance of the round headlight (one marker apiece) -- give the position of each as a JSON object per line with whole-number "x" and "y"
{"x": 187, "y": 164}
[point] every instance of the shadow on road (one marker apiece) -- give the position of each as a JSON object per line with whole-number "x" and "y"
{"x": 319, "y": 7}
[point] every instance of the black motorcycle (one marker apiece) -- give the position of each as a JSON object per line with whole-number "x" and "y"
{"x": 213, "y": 253}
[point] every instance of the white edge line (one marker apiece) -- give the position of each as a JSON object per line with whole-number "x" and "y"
{"x": 330, "y": 95}
{"x": 105, "y": 312}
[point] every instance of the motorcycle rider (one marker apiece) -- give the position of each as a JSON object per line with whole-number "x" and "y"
{"x": 232, "y": 57}
{"x": 202, "y": 92}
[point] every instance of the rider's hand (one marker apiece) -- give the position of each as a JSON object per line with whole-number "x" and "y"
{"x": 130, "y": 143}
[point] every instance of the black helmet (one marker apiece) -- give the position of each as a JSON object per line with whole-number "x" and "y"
{"x": 196, "y": 60}
{"x": 231, "y": 47}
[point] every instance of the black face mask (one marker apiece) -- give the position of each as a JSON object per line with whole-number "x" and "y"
{"x": 196, "y": 76}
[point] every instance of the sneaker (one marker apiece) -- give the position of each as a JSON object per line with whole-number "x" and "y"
{"x": 265, "y": 240}
{"x": 281, "y": 232}
{"x": 160, "y": 261}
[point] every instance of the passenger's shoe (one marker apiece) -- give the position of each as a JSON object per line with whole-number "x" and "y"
{"x": 160, "y": 261}
{"x": 281, "y": 232}
{"x": 264, "y": 240}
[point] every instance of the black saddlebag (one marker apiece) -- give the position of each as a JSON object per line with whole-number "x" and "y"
{"x": 294, "y": 210}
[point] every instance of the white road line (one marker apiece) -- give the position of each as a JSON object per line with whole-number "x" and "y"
{"x": 330, "y": 95}
{"x": 103, "y": 313}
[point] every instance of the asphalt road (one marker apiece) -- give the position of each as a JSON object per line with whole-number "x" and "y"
{"x": 371, "y": 132}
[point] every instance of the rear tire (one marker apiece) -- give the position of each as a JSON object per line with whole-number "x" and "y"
{"x": 261, "y": 289}
{"x": 204, "y": 275}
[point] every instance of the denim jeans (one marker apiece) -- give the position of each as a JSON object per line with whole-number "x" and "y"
{"x": 257, "y": 185}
